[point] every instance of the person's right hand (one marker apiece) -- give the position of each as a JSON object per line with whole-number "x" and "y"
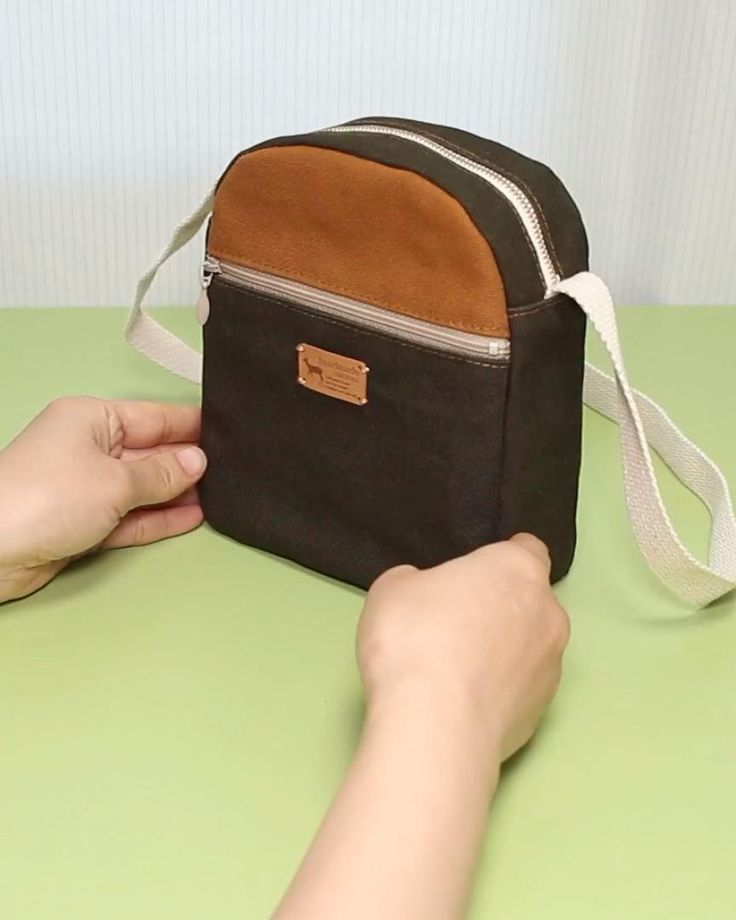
{"x": 483, "y": 631}
{"x": 458, "y": 662}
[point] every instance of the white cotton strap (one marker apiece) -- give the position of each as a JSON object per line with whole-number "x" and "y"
{"x": 642, "y": 423}
{"x": 150, "y": 337}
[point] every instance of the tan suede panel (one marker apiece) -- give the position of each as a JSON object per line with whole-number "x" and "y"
{"x": 378, "y": 234}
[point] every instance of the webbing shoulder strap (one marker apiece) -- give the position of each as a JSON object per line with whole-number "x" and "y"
{"x": 143, "y": 332}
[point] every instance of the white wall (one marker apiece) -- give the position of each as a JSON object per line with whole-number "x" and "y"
{"x": 115, "y": 116}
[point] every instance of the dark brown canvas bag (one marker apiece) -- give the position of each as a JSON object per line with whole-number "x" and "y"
{"x": 393, "y": 323}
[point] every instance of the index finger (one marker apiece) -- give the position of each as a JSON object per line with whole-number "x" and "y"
{"x": 147, "y": 424}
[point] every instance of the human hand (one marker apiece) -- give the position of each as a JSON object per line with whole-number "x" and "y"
{"x": 91, "y": 473}
{"x": 459, "y": 662}
{"x": 482, "y": 633}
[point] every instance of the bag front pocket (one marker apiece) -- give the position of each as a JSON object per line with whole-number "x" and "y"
{"x": 345, "y": 436}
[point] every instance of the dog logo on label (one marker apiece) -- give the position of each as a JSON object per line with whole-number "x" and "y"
{"x": 313, "y": 369}
{"x": 332, "y": 374}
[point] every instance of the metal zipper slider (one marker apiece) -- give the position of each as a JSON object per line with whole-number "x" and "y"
{"x": 208, "y": 268}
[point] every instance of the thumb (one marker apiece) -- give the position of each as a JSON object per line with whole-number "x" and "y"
{"x": 162, "y": 477}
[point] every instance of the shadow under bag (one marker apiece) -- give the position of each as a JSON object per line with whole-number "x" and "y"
{"x": 393, "y": 321}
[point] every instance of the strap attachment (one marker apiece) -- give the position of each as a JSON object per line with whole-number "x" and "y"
{"x": 150, "y": 337}
{"x": 642, "y": 422}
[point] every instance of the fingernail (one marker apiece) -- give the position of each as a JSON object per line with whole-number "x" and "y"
{"x": 192, "y": 460}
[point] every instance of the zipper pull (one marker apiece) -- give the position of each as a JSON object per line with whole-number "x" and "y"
{"x": 208, "y": 268}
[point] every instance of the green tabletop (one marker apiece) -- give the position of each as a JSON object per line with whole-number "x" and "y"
{"x": 175, "y": 719}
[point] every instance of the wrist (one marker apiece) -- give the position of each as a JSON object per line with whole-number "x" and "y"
{"x": 443, "y": 715}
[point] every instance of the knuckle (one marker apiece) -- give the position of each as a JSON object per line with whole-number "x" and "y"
{"x": 390, "y": 576}
{"x": 139, "y": 532}
{"x": 165, "y": 476}
{"x": 166, "y": 427}
{"x": 532, "y": 542}
{"x": 62, "y": 404}
{"x": 121, "y": 486}
{"x": 524, "y": 562}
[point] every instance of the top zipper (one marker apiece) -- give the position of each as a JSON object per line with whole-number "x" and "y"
{"x": 515, "y": 196}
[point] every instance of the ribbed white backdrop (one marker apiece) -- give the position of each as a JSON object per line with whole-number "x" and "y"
{"x": 116, "y": 116}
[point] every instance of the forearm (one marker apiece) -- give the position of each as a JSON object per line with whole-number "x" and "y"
{"x": 402, "y": 836}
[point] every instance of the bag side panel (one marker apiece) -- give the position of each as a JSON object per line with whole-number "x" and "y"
{"x": 543, "y": 427}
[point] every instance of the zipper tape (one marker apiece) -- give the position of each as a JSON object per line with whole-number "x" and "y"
{"x": 516, "y": 197}
{"x": 356, "y": 312}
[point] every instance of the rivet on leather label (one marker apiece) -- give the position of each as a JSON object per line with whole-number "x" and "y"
{"x": 332, "y": 374}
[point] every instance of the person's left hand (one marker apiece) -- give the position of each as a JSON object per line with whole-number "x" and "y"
{"x": 90, "y": 473}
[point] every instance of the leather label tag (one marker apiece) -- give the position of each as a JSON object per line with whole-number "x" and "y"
{"x": 331, "y": 374}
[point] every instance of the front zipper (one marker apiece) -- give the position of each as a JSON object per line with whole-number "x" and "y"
{"x": 352, "y": 311}
{"x": 516, "y": 197}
